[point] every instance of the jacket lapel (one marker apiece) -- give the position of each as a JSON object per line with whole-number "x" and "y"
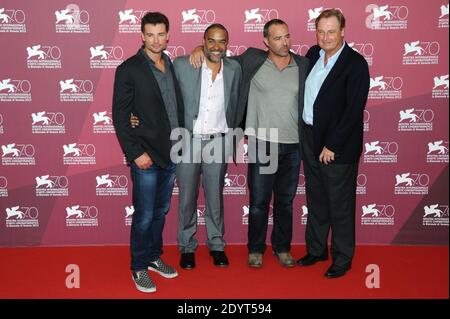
{"x": 148, "y": 73}
{"x": 227, "y": 82}
{"x": 197, "y": 87}
{"x": 228, "y": 77}
{"x": 259, "y": 60}
{"x": 335, "y": 71}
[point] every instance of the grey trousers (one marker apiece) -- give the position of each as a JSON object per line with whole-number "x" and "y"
{"x": 188, "y": 178}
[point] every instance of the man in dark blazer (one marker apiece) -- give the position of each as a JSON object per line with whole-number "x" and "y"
{"x": 336, "y": 92}
{"x": 146, "y": 85}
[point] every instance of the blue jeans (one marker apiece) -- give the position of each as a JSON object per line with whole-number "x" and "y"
{"x": 152, "y": 192}
{"x": 283, "y": 184}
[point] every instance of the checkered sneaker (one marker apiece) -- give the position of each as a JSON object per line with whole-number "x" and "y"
{"x": 162, "y": 268}
{"x": 143, "y": 281}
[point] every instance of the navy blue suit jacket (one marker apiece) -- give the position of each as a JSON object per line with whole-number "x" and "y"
{"x": 339, "y": 107}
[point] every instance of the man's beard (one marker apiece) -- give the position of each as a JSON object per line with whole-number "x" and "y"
{"x": 210, "y": 57}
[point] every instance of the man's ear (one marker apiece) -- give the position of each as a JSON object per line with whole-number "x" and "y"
{"x": 266, "y": 42}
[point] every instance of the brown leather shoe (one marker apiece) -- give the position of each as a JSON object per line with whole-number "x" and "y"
{"x": 255, "y": 260}
{"x": 285, "y": 259}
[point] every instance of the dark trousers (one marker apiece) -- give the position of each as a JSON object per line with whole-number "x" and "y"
{"x": 331, "y": 200}
{"x": 283, "y": 184}
{"x": 152, "y": 191}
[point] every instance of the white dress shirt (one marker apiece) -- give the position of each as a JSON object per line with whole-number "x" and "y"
{"x": 314, "y": 82}
{"x": 211, "y": 117}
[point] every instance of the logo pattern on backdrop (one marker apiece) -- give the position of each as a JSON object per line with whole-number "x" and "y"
{"x": 60, "y": 158}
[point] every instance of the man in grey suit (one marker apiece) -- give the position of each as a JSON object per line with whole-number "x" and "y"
{"x": 210, "y": 95}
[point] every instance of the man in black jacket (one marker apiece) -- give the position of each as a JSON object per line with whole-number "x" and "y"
{"x": 146, "y": 85}
{"x": 336, "y": 92}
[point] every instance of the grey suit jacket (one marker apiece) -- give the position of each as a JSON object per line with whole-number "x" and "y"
{"x": 190, "y": 80}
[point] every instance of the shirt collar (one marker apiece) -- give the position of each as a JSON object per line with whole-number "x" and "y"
{"x": 205, "y": 66}
{"x": 163, "y": 55}
{"x": 335, "y": 56}
{"x": 291, "y": 62}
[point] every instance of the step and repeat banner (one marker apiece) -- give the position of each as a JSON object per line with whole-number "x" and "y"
{"x": 63, "y": 177}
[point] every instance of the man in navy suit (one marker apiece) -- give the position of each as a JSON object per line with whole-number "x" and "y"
{"x": 336, "y": 91}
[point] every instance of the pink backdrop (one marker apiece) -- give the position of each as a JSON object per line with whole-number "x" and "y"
{"x": 62, "y": 175}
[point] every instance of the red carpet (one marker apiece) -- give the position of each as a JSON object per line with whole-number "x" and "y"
{"x": 405, "y": 272}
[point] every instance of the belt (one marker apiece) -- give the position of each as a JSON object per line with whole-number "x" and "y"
{"x": 207, "y": 137}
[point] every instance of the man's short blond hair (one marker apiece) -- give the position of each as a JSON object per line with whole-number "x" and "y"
{"x": 332, "y": 13}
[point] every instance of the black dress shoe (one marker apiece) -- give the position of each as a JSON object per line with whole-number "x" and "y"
{"x": 309, "y": 260}
{"x": 219, "y": 257}
{"x": 336, "y": 271}
{"x": 187, "y": 261}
